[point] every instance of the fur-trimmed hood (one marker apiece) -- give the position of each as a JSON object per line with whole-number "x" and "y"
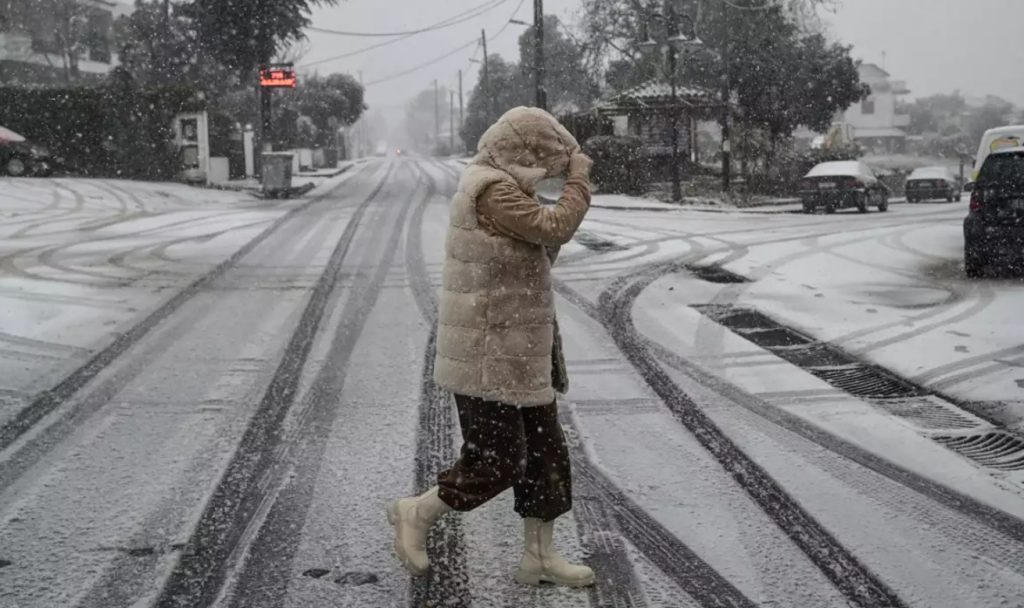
{"x": 529, "y": 144}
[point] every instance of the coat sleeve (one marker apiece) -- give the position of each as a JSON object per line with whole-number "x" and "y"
{"x": 507, "y": 210}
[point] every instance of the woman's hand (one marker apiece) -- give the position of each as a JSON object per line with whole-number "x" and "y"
{"x": 580, "y": 165}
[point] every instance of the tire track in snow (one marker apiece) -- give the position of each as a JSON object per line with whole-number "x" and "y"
{"x": 200, "y": 571}
{"x": 854, "y": 580}
{"x": 709, "y": 340}
{"x": 131, "y": 576}
{"x": 50, "y": 399}
{"x": 447, "y": 582}
{"x": 708, "y": 334}
{"x": 967, "y": 506}
{"x": 267, "y": 550}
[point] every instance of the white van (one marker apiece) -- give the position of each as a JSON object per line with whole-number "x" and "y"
{"x": 997, "y": 139}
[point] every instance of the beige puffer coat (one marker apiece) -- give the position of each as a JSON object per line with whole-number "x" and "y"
{"x": 497, "y": 331}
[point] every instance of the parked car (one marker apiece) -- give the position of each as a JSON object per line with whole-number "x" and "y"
{"x": 994, "y": 140}
{"x": 930, "y": 183}
{"x": 843, "y": 184}
{"x": 19, "y": 157}
{"x": 994, "y": 226}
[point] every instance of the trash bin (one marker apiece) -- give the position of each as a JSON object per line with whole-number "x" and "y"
{"x": 277, "y": 174}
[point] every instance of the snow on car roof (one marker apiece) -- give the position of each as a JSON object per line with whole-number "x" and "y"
{"x": 839, "y": 167}
{"x": 1014, "y": 150}
{"x": 1007, "y": 129}
{"x": 6, "y": 135}
{"x": 931, "y": 173}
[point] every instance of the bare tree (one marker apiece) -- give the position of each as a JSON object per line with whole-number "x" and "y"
{"x": 71, "y": 20}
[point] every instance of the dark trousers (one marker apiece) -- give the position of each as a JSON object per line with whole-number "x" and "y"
{"x": 506, "y": 446}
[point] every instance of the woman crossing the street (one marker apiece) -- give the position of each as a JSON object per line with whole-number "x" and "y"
{"x": 498, "y": 347}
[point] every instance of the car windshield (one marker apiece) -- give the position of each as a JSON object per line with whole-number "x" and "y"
{"x": 1003, "y": 169}
{"x": 511, "y": 304}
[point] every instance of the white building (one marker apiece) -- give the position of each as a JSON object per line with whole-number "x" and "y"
{"x": 33, "y": 50}
{"x": 876, "y": 121}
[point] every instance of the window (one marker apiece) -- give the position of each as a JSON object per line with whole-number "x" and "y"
{"x": 97, "y": 36}
{"x": 44, "y": 36}
{"x": 1003, "y": 169}
{"x": 867, "y": 106}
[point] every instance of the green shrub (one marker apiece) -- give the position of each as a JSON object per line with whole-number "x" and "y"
{"x": 116, "y": 130}
{"x": 621, "y": 165}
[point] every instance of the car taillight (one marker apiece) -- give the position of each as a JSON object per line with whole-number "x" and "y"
{"x": 852, "y": 182}
{"x": 806, "y": 184}
{"x": 976, "y": 200}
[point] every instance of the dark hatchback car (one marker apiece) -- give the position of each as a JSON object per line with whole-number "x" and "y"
{"x": 19, "y": 157}
{"x": 843, "y": 184}
{"x": 994, "y": 227}
{"x": 931, "y": 183}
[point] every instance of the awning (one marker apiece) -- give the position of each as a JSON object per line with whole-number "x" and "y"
{"x": 657, "y": 95}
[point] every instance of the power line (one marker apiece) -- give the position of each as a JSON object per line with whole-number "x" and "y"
{"x": 509, "y": 22}
{"x": 424, "y": 64}
{"x": 460, "y": 18}
{"x": 446, "y": 55}
{"x": 476, "y": 11}
{"x": 355, "y": 52}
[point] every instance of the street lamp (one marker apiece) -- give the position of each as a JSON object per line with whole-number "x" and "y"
{"x": 679, "y": 33}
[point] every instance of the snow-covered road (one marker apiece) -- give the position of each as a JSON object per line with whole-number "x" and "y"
{"x": 206, "y": 399}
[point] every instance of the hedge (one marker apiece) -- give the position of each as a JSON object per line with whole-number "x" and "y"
{"x": 621, "y": 165}
{"x": 116, "y": 130}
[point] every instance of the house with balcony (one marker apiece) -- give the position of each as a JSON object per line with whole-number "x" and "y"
{"x": 876, "y": 122}
{"x": 57, "y": 42}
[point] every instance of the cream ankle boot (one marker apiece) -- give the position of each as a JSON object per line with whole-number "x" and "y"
{"x": 412, "y": 519}
{"x": 542, "y": 563}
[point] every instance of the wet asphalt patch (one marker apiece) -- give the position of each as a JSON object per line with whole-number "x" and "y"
{"x": 823, "y": 360}
{"x": 345, "y": 579}
{"x": 594, "y": 242}
{"x": 716, "y": 274}
{"x": 941, "y": 419}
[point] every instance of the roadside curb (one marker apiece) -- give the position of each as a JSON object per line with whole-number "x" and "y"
{"x": 255, "y": 189}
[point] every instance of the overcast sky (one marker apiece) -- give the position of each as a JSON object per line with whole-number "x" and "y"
{"x": 937, "y": 46}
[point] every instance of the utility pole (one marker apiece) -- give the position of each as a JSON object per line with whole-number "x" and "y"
{"x": 462, "y": 108}
{"x": 677, "y": 189}
{"x": 165, "y": 44}
{"x": 266, "y": 114}
{"x": 489, "y": 102}
{"x": 361, "y": 127}
{"x": 265, "y": 48}
{"x": 726, "y": 95}
{"x": 451, "y": 122}
{"x": 538, "y": 54}
{"x": 437, "y": 115}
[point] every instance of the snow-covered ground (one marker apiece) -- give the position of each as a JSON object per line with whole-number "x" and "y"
{"x": 243, "y": 446}
{"x": 81, "y": 260}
